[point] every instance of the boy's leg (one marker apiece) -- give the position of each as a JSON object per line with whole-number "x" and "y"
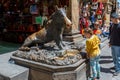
{"x": 93, "y": 67}
{"x": 98, "y": 67}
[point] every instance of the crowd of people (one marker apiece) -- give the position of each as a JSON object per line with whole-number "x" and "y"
{"x": 92, "y": 16}
{"x": 99, "y": 28}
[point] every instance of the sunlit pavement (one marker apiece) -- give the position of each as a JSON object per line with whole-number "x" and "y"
{"x": 106, "y": 62}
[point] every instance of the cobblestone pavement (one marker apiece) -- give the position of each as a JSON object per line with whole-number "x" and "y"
{"x": 106, "y": 62}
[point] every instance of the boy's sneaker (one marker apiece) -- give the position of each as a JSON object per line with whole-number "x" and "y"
{"x": 98, "y": 75}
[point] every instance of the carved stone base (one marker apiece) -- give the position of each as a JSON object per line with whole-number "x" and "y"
{"x": 40, "y": 71}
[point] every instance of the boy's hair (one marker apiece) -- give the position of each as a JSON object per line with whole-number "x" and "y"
{"x": 89, "y": 31}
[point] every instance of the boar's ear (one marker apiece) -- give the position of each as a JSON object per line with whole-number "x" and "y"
{"x": 56, "y": 7}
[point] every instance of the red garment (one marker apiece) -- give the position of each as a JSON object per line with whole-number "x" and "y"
{"x": 94, "y": 0}
{"x": 96, "y": 31}
{"x": 87, "y": 23}
{"x": 81, "y": 26}
{"x": 99, "y": 12}
{"x": 101, "y": 6}
{"x": 84, "y": 23}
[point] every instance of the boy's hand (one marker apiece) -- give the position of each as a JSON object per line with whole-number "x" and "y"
{"x": 87, "y": 56}
{"x": 109, "y": 45}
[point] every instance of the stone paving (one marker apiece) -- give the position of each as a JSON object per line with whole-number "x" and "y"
{"x": 106, "y": 62}
{"x": 10, "y": 71}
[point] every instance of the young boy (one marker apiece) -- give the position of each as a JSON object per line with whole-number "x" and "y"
{"x": 93, "y": 52}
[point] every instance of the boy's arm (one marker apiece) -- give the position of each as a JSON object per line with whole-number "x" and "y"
{"x": 88, "y": 48}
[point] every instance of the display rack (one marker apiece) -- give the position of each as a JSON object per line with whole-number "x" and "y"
{"x": 20, "y": 23}
{"x": 24, "y": 17}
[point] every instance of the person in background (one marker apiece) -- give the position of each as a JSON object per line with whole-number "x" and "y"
{"x": 93, "y": 52}
{"x": 105, "y": 31}
{"x": 115, "y": 42}
{"x": 97, "y": 31}
{"x": 92, "y": 19}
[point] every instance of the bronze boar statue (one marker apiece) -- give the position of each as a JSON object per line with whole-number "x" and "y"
{"x": 53, "y": 30}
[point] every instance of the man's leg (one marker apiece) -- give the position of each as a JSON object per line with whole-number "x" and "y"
{"x": 117, "y": 52}
{"x": 116, "y": 59}
{"x": 113, "y": 55}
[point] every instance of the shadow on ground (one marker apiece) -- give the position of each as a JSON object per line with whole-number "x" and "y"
{"x": 105, "y": 61}
{"x": 106, "y": 70}
{"x": 106, "y": 57}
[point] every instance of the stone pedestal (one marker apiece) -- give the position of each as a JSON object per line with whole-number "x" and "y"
{"x": 40, "y": 71}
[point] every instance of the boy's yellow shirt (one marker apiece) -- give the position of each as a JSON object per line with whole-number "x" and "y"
{"x": 92, "y": 46}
